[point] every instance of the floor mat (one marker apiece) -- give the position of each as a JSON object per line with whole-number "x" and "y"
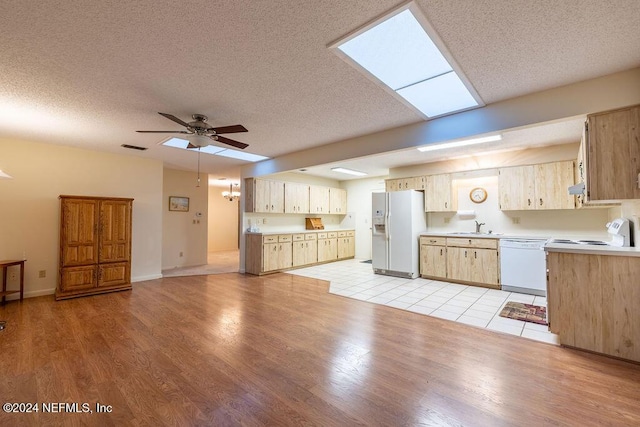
{"x": 526, "y": 312}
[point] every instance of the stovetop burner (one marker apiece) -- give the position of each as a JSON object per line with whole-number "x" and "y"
{"x": 579, "y": 242}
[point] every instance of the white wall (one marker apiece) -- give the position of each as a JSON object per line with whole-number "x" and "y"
{"x": 184, "y": 232}
{"x": 223, "y": 221}
{"x": 30, "y": 209}
{"x": 359, "y": 206}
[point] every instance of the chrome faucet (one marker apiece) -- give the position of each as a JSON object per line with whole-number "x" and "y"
{"x": 478, "y": 225}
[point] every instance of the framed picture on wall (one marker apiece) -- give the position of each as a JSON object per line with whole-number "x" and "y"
{"x": 179, "y": 204}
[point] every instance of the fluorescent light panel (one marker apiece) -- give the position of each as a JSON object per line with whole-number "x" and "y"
{"x": 349, "y": 171}
{"x": 213, "y": 149}
{"x": 399, "y": 52}
{"x": 462, "y": 143}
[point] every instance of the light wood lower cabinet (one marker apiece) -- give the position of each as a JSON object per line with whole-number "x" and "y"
{"x": 276, "y": 252}
{"x": 472, "y": 261}
{"x": 346, "y": 244}
{"x": 327, "y": 246}
{"x": 433, "y": 257}
{"x": 593, "y": 302}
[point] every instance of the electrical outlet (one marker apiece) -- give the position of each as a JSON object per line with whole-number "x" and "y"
{"x": 516, "y": 220}
{"x": 42, "y": 274}
{"x": 181, "y": 254}
{"x": 264, "y": 220}
{"x": 446, "y": 220}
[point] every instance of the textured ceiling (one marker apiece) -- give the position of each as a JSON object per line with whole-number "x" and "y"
{"x": 89, "y": 74}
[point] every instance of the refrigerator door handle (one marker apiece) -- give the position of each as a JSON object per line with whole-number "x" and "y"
{"x": 387, "y": 225}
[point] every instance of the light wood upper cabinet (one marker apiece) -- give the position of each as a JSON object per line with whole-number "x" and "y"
{"x": 296, "y": 197}
{"x": 552, "y": 181}
{"x": 613, "y": 155}
{"x": 536, "y": 187}
{"x": 337, "y": 201}
{"x": 319, "y": 199}
{"x": 440, "y": 194}
{"x": 264, "y": 196}
{"x": 516, "y": 188}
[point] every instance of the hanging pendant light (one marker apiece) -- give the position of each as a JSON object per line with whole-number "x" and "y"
{"x": 231, "y": 195}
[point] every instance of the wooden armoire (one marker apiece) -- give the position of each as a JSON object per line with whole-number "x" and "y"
{"x": 95, "y": 246}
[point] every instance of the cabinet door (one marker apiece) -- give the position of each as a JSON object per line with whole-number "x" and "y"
{"x": 516, "y": 188}
{"x": 613, "y": 155}
{"x": 318, "y": 199}
{"x": 303, "y": 198}
{"x": 433, "y": 261}
{"x": 299, "y": 254}
{"x": 78, "y": 278}
{"x": 391, "y": 185}
{"x": 285, "y": 255}
{"x": 337, "y": 201}
{"x": 551, "y": 183}
{"x": 261, "y": 192}
{"x": 439, "y": 194}
{"x": 311, "y": 248}
{"x": 276, "y": 196}
{"x": 113, "y": 274}
{"x": 332, "y": 249}
{"x": 269, "y": 256}
{"x": 79, "y": 233}
{"x": 484, "y": 266}
{"x": 296, "y": 198}
{"x": 115, "y": 231}
{"x": 346, "y": 247}
{"x": 351, "y": 250}
{"x": 458, "y": 263}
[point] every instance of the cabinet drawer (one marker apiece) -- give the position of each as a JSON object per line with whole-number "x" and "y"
{"x": 342, "y": 234}
{"x": 435, "y": 241}
{"x": 322, "y": 235}
{"x": 298, "y": 237}
{"x": 311, "y": 236}
{"x": 351, "y": 233}
{"x": 269, "y": 239}
{"x": 78, "y": 278}
{"x": 284, "y": 238}
{"x": 472, "y": 243}
{"x": 114, "y": 274}
{"x": 332, "y": 235}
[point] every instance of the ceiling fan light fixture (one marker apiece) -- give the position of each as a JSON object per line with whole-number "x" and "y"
{"x": 4, "y": 175}
{"x": 199, "y": 140}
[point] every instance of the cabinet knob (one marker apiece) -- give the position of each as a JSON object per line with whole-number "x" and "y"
{"x": 445, "y": 204}
{"x": 540, "y": 201}
{"x": 529, "y": 202}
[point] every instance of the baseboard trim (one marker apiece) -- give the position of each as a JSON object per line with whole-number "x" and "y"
{"x": 31, "y": 294}
{"x": 145, "y": 278}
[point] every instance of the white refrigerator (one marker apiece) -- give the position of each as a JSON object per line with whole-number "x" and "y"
{"x": 398, "y": 220}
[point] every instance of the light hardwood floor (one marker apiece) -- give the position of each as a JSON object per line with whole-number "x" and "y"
{"x": 231, "y": 349}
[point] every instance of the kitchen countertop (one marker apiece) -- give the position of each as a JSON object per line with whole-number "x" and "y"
{"x": 592, "y": 249}
{"x": 482, "y": 236}
{"x": 270, "y": 233}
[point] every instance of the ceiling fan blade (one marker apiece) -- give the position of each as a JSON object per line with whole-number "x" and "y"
{"x": 231, "y": 142}
{"x": 162, "y": 131}
{"x": 229, "y": 129}
{"x": 175, "y": 119}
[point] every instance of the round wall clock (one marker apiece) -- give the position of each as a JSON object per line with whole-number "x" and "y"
{"x": 478, "y": 195}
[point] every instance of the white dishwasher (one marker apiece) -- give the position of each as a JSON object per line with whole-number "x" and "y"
{"x": 523, "y": 266}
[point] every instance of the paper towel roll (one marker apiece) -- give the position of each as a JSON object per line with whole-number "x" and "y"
{"x": 470, "y": 214}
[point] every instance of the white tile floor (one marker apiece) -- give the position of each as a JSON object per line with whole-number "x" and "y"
{"x": 471, "y": 305}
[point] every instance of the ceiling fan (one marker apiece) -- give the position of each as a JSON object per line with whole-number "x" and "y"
{"x": 203, "y": 131}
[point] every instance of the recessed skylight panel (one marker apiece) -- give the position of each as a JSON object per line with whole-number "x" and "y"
{"x": 397, "y": 51}
{"x": 439, "y": 95}
{"x": 215, "y": 150}
{"x": 401, "y": 53}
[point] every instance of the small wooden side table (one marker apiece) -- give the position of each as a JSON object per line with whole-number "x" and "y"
{"x": 5, "y": 265}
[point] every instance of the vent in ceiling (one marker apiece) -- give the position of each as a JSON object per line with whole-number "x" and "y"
{"x": 133, "y": 147}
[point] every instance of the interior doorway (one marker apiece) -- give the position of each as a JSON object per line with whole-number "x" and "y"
{"x": 223, "y": 226}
